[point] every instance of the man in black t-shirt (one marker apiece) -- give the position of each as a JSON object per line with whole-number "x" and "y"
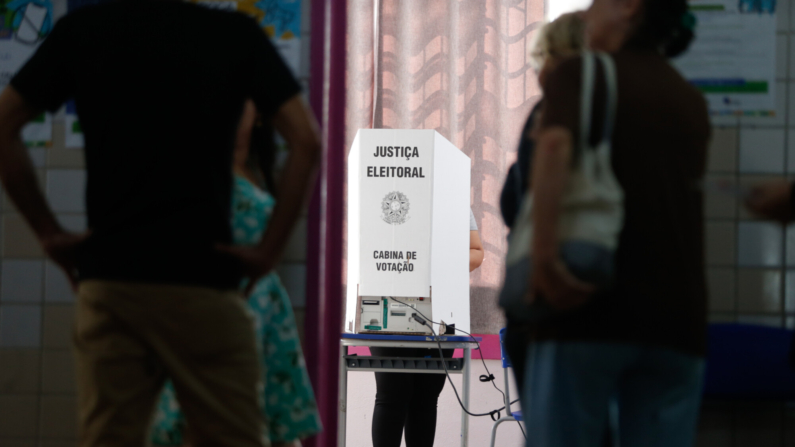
{"x": 159, "y": 87}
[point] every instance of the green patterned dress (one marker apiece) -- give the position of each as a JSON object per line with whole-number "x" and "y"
{"x": 288, "y": 400}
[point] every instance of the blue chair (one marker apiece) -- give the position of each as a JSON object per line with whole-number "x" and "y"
{"x": 513, "y": 416}
{"x": 747, "y": 362}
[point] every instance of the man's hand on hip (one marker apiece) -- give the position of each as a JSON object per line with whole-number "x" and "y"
{"x": 63, "y": 248}
{"x": 254, "y": 263}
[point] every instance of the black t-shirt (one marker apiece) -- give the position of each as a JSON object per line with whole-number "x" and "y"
{"x": 159, "y": 88}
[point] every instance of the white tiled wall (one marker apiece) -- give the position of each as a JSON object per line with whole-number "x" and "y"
{"x": 22, "y": 281}
{"x": 748, "y": 260}
{"x": 759, "y": 244}
{"x": 751, "y": 263}
{"x": 762, "y": 150}
{"x": 39, "y": 156}
{"x": 57, "y": 288}
{"x": 66, "y": 190}
{"x": 73, "y": 222}
{"x": 20, "y": 326}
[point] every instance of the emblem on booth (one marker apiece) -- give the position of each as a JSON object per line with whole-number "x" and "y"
{"x": 395, "y": 208}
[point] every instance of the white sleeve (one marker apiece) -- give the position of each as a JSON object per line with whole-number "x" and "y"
{"x": 473, "y": 226}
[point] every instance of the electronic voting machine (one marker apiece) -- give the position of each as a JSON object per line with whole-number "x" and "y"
{"x": 408, "y": 232}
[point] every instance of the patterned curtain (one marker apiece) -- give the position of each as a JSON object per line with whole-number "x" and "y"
{"x": 459, "y": 67}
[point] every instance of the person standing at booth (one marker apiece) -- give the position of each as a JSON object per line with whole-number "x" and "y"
{"x": 408, "y": 402}
{"x": 159, "y": 88}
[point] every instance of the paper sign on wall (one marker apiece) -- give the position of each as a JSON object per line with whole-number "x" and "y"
{"x": 395, "y": 175}
{"x": 733, "y": 57}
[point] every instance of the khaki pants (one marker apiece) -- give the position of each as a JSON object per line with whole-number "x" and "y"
{"x": 130, "y": 337}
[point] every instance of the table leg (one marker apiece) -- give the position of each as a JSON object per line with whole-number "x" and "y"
{"x": 343, "y": 399}
{"x": 465, "y": 391}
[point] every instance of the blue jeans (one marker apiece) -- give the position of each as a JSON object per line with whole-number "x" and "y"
{"x": 569, "y": 387}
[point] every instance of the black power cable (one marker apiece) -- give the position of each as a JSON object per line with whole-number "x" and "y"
{"x": 485, "y": 377}
{"x": 423, "y": 320}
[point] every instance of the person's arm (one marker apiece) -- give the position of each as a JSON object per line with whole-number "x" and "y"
{"x": 549, "y": 276}
{"x": 276, "y": 93}
{"x": 773, "y": 200}
{"x": 296, "y": 124}
{"x": 550, "y": 175}
{"x": 19, "y": 179}
{"x": 16, "y": 167}
{"x": 554, "y": 149}
{"x": 476, "y": 253}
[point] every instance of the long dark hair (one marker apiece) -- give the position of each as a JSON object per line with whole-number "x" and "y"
{"x": 262, "y": 152}
{"x": 667, "y": 25}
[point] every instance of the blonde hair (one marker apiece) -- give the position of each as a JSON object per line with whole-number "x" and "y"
{"x": 564, "y": 36}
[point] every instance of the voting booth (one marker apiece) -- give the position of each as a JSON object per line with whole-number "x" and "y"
{"x": 408, "y": 232}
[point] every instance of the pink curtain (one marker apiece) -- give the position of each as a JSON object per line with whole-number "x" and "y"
{"x": 459, "y": 67}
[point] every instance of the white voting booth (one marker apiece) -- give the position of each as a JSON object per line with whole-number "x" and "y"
{"x": 408, "y": 232}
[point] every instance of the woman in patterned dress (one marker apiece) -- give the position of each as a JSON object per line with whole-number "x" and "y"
{"x": 288, "y": 403}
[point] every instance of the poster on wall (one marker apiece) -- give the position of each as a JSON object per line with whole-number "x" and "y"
{"x": 733, "y": 58}
{"x": 280, "y": 19}
{"x": 395, "y": 191}
{"x": 24, "y": 24}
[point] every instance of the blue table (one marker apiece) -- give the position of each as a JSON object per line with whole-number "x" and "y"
{"x": 406, "y": 341}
